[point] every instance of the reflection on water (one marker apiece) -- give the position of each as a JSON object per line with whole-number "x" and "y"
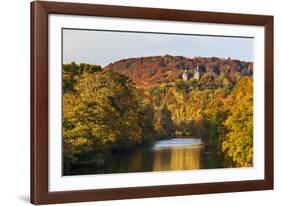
{"x": 177, "y": 154}
{"x": 177, "y": 159}
{"x": 164, "y": 155}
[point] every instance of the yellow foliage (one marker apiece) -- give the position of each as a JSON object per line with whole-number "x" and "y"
{"x": 238, "y": 142}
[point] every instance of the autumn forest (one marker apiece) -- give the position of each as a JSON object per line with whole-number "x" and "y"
{"x": 136, "y": 102}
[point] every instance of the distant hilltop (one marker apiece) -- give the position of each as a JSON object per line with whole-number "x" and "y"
{"x": 154, "y": 70}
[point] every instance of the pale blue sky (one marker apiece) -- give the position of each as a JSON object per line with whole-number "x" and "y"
{"x": 105, "y": 47}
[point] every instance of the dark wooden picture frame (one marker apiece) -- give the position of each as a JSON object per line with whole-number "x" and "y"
{"x": 39, "y": 102}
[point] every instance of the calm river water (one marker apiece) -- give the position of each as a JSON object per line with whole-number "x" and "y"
{"x": 164, "y": 155}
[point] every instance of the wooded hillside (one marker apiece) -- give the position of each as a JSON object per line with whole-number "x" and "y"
{"x": 139, "y": 100}
{"x": 151, "y": 71}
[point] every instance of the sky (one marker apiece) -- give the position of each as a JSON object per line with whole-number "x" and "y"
{"x": 105, "y": 47}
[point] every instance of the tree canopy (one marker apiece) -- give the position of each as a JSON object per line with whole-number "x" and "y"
{"x": 105, "y": 111}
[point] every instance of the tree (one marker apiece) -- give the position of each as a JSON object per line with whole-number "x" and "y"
{"x": 216, "y": 113}
{"x": 163, "y": 122}
{"x": 238, "y": 141}
{"x": 99, "y": 117}
{"x": 72, "y": 72}
{"x": 146, "y": 119}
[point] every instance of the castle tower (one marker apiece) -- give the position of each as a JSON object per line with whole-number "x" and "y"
{"x": 197, "y": 73}
{"x": 185, "y": 75}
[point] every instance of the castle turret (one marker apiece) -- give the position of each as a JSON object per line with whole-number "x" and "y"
{"x": 185, "y": 75}
{"x": 197, "y": 73}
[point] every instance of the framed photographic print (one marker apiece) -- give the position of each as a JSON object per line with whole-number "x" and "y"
{"x": 131, "y": 102}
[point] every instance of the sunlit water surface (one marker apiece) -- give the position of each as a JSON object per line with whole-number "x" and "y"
{"x": 164, "y": 155}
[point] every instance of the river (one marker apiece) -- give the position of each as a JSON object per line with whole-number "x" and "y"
{"x": 163, "y": 155}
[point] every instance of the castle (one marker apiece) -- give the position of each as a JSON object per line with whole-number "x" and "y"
{"x": 197, "y": 74}
{"x": 185, "y": 75}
